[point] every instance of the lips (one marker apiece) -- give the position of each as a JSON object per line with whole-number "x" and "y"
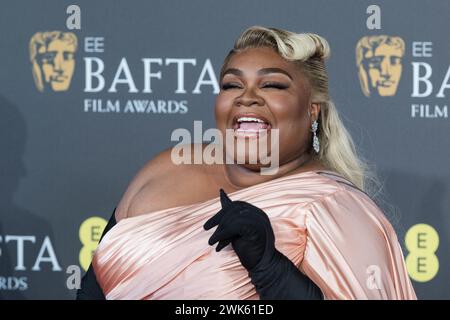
{"x": 60, "y": 78}
{"x": 386, "y": 83}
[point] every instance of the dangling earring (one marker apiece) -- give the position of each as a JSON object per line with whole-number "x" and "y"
{"x": 316, "y": 143}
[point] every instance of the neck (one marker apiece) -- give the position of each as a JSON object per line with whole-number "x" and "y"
{"x": 239, "y": 176}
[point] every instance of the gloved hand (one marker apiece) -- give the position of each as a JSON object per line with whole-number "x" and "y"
{"x": 250, "y": 233}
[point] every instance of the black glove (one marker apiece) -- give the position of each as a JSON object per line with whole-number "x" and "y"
{"x": 249, "y": 231}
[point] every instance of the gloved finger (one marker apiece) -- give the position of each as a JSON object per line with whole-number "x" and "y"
{"x": 222, "y": 244}
{"x": 225, "y": 201}
{"x": 221, "y": 233}
{"x": 214, "y": 220}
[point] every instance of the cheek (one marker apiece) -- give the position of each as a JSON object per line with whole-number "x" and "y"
{"x": 396, "y": 70}
{"x": 293, "y": 123}
{"x": 294, "y": 139}
{"x": 222, "y": 109}
{"x": 69, "y": 66}
{"x": 295, "y": 130}
{"x": 47, "y": 68}
{"x": 290, "y": 112}
{"x": 374, "y": 73}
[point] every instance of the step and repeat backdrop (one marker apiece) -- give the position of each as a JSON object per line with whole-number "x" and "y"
{"x": 91, "y": 90}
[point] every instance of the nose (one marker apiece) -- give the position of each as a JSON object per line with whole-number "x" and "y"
{"x": 385, "y": 68}
{"x": 249, "y": 98}
{"x": 58, "y": 62}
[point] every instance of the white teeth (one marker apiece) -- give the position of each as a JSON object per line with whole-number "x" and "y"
{"x": 249, "y": 119}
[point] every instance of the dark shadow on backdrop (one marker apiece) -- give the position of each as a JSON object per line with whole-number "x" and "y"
{"x": 16, "y": 220}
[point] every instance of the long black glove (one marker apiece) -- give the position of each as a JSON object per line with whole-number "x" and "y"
{"x": 90, "y": 289}
{"x": 250, "y": 233}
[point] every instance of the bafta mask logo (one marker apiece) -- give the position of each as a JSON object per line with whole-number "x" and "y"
{"x": 379, "y": 62}
{"x": 52, "y": 58}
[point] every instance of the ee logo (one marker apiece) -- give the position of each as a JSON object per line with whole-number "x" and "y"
{"x": 90, "y": 232}
{"x": 422, "y": 241}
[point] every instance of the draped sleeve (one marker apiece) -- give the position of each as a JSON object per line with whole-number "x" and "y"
{"x": 352, "y": 251}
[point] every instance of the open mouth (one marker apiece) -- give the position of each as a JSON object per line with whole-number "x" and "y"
{"x": 250, "y": 125}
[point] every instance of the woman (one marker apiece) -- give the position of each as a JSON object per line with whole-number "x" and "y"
{"x": 308, "y": 231}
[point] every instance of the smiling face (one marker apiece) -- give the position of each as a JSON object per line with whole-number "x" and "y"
{"x": 262, "y": 90}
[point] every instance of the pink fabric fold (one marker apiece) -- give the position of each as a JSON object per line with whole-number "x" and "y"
{"x": 334, "y": 233}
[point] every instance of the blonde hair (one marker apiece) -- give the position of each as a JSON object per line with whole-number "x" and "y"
{"x": 309, "y": 51}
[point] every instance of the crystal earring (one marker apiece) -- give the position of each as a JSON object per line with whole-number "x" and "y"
{"x": 316, "y": 143}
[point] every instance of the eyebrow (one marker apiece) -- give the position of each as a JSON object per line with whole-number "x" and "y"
{"x": 260, "y": 72}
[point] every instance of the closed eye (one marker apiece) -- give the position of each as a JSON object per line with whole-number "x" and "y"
{"x": 275, "y": 85}
{"x": 227, "y": 86}
{"x": 280, "y": 86}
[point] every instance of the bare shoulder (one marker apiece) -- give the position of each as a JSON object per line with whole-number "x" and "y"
{"x": 150, "y": 171}
{"x": 160, "y": 184}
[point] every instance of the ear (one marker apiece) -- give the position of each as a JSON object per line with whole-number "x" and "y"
{"x": 314, "y": 111}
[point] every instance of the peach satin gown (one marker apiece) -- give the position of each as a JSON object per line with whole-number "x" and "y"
{"x": 332, "y": 231}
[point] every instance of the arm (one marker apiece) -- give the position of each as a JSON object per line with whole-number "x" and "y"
{"x": 279, "y": 278}
{"x": 90, "y": 289}
{"x": 249, "y": 231}
{"x": 352, "y": 249}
